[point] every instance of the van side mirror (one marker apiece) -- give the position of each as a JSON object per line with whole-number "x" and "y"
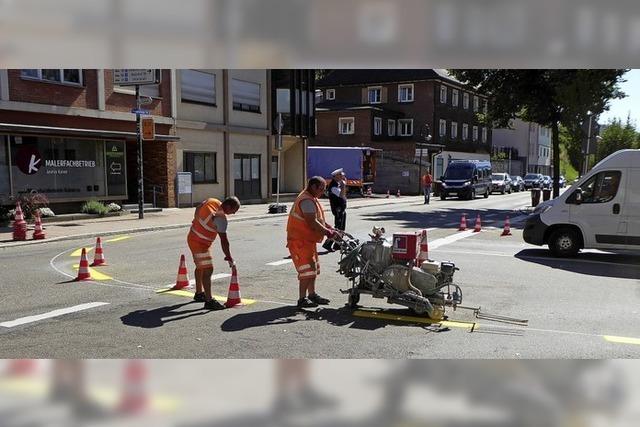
{"x": 577, "y": 196}
{"x": 442, "y": 178}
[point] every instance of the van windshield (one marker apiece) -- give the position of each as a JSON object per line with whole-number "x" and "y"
{"x": 459, "y": 172}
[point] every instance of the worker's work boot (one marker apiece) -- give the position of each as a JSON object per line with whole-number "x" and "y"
{"x": 213, "y": 305}
{"x": 306, "y": 303}
{"x": 318, "y": 299}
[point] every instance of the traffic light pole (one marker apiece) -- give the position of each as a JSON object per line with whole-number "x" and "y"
{"x": 140, "y": 171}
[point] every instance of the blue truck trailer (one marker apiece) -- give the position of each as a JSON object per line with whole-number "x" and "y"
{"x": 359, "y": 164}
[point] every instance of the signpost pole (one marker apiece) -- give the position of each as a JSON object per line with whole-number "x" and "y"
{"x": 140, "y": 171}
{"x": 279, "y": 148}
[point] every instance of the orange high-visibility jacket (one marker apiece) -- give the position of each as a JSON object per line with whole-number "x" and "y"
{"x": 297, "y": 227}
{"x": 202, "y": 226}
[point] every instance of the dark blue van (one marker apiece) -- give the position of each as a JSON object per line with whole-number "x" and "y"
{"x": 466, "y": 179}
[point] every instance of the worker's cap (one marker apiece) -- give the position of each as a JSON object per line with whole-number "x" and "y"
{"x": 337, "y": 172}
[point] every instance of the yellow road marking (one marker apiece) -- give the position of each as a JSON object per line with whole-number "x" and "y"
{"x": 413, "y": 319}
{"x": 117, "y": 239}
{"x": 622, "y": 340}
{"x": 102, "y": 395}
{"x": 78, "y": 252}
{"x": 95, "y": 274}
{"x": 189, "y": 294}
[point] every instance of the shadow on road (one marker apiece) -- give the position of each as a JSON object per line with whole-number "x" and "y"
{"x": 448, "y": 218}
{"x": 160, "y": 316}
{"x": 623, "y": 266}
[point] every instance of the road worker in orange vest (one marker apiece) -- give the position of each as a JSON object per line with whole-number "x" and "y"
{"x": 209, "y": 221}
{"x": 306, "y": 227}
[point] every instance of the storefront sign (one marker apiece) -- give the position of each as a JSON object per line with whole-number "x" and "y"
{"x": 148, "y": 128}
{"x": 132, "y": 77}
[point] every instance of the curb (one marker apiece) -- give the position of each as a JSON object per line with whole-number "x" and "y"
{"x": 161, "y": 227}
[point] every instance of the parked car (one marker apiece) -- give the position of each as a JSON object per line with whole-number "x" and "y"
{"x": 501, "y": 182}
{"x": 563, "y": 182}
{"x": 547, "y": 182}
{"x": 517, "y": 183}
{"x": 533, "y": 180}
{"x": 599, "y": 211}
{"x": 466, "y": 179}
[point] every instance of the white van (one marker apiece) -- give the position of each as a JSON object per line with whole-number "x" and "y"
{"x": 600, "y": 211}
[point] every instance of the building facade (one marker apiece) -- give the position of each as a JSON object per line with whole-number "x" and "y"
{"x": 529, "y": 145}
{"x": 70, "y": 135}
{"x": 395, "y": 110}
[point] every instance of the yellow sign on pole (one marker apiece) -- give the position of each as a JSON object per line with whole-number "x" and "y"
{"x": 148, "y": 128}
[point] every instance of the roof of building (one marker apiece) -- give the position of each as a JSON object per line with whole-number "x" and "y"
{"x": 371, "y": 76}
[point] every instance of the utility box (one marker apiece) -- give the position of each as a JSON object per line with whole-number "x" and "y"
{"x": 406, "y": 246}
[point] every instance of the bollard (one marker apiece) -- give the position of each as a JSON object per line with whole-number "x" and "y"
{"x": 546, "y": 194}
{"x": 535, "y": 197}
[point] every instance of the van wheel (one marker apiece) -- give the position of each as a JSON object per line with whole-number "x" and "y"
{"x": 564, "y": 243}
{"x": 472, "y": 194}
{"x": 486, "y": 193}
{"x": 443, "y": 197}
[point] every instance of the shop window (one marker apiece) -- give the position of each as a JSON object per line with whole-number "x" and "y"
{"x": 202, "y": 167}
{"x": 246, "y": 96}
{"x": 198, "y": 86}
{"x": 72, "y": 76}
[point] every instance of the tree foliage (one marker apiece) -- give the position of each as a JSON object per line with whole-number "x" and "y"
{"x": 548, "y": 97}
{"x": 617, "y": 136}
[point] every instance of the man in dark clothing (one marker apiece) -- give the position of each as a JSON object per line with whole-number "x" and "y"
{"x": 338, "y": 199}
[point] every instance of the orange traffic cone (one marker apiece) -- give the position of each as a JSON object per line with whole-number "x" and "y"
{"x": 38, "y": 233}
{"x": 182, "y": 281}
{"x": 463, "y": 223}
{"x": 398, "y": 193}
{"x": 478, "y": 227}
{"x": 424, "y": 248}
{"x": 387, "y": 194}
{"x": 98, "y": 258}
{"x": 21, "y": 367}
{"x": 134, "y": 395}
{"x": 507, "y": 228}
{"x": 83, "y": 269}
{"x": 233, "y": 297}
{"x": 19, "y": 224}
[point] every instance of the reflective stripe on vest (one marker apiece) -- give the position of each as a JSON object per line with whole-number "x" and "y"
{"x": 204, "y": 228}
{"x": 297, "y": 227}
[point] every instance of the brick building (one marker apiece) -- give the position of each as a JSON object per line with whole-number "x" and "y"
{"x": 394, "y": 110}
{"x": 70, "y": 134}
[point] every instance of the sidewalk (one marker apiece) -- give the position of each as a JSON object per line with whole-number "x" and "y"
{"x": 167, "y": 219}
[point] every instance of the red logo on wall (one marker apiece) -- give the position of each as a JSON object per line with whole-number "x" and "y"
{"x": 28, "y": 160}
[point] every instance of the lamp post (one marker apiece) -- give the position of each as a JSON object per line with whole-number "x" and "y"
{"x": 425, "y": 134}
{"x": 586, "y": 154}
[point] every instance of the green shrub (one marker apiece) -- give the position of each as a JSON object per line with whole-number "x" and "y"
{"x": 94, "y": 207}
{"x": 5, "y": 215}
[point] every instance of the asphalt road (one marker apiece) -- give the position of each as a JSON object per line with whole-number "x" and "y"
{"x": 580, "y": 308}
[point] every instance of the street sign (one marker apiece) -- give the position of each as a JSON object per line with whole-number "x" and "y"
{"x": 184, "y": 183}
{"x": 132, "y": 77}
{"x": 140, "y": 111}
{"x": 148, "y": 128}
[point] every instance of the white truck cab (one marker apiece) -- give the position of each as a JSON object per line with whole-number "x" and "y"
{"x": 599, "y": 211}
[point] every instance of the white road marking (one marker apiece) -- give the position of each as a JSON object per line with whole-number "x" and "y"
{"x": 280, "y": 262}
{"x": 450, "y": 239}
{"x": 51, "y": 314}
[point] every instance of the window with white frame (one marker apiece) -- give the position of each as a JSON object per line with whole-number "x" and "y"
{"x": 443, "y": 94}
{"x": 405, "y": 127}
{"x": 198, "y": 86}
{"x": 475, "y": 133}
{"x": 484, "y": 134}
{"x": 377, "y": 126}
{"x": 71, "y": 76}
{"x": 331, "y": 94}
{"x": 391, "y": 127}
{"x": 405, "y": 93}
{"x": 374, "y": 95}
{"x": 475, "y": 104}
{"x": 443, "y": 127}
{"x": 465, "y": 100}
{"x": 346, "y": 125}
{"x": 454, "y": 97}
{"x": 454, "y": 130}
{"x": 245, "y": 95}
{"x": 465, "y": 131}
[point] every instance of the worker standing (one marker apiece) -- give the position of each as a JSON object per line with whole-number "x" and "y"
{"x": 338, "y": 200}
{"x": 427, "y": 182}
{"x": 306, "y": 227}
{"x": 209, "y": 221}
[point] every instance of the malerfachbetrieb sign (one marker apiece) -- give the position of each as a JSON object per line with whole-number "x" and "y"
{"x": 67, "y": 168}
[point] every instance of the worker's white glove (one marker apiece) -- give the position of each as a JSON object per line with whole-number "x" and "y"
{"x": 231, "y": 262}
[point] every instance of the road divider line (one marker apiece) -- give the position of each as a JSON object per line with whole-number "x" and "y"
{"x": 52, "y": 314}
{"x": 621, "y": 340}
{"x": 450, "y": 239}
{"x": 189, "y": 294}
{"x": 192, "y": 282}
{"x": 414, "y": 319}
{"x": 117, "y": 239}
{"x": 78, "y": 252}
{"x": 280, "y": 262}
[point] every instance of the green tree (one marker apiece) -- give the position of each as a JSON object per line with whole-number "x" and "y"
{"x": 617, "y": 136}
{"x": 547, "y": 97}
